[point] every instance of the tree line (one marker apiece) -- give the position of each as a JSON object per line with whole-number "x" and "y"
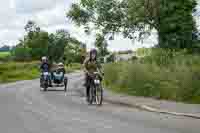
{"x": 5, "y": 48}
{"x": 59, "y": 46}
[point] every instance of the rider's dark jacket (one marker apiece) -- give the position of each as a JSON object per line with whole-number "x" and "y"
{"x": 45, "y": 67}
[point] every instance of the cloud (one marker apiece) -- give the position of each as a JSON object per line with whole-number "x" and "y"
{"x": 50, "y": 16}
{"x": 32, "y": 6}
{"x": 10, "y": 37}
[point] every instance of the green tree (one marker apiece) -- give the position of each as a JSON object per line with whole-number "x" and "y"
{"x": 57, "y": 46}
{"x": 75, "y": 51}
{"x": 102, "y": 45}
{"x": 33, "y": 45}
{"x": 171, "y": 18}
{"x": 21, "y": 52}
{"x": 31, "y": 27}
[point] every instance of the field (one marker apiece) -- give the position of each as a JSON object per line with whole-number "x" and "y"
{"x": 4, "y": 55}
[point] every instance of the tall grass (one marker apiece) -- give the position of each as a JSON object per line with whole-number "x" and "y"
{"x": 175, "y": 79}
{"x": 14, "y": 71}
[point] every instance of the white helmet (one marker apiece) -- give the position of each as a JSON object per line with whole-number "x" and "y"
{"x": 60, "y": 64}
{"x": 44, "y": 58}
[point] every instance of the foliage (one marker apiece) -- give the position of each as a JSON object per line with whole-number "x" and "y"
{"x": 136, "y": 18}
{"x": 178, "y": 81}
{"x": 102, "y": 45}
{"x": 162, "y": 57}
{"x": 59, "y": 46}
{"x": 75, "y": 52}
{"x": 141, "y": 52}
{"x": 21, "y": 53}
{"x": 110, "y": 58}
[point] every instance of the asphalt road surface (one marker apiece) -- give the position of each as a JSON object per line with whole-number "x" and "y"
{"x": 25, "y": 109}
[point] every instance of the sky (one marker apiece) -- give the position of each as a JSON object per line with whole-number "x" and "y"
{"x": 50, "y": 15}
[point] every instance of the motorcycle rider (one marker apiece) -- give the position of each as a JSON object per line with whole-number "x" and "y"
{"x": 91, "y": 65}
{"x": 45, "y": 67}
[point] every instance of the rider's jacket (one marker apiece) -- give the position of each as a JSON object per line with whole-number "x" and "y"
{"x": 45, "y": 67}
{"x": 91, "y": 65}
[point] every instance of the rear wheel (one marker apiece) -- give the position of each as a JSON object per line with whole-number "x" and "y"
{"x": 99, "y": 95}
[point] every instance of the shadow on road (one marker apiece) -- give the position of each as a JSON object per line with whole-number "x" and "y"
{"x": 54, "y": 90}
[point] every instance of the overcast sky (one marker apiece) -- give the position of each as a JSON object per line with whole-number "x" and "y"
{"x": 50, "y": 16}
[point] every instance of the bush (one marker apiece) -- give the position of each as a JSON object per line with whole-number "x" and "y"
{"x": 21, "y": 53}
{"x": 111, "y": 58}
{"x": 179, "y": 80}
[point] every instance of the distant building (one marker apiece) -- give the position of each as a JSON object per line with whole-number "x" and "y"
{"x": 124, "y": 57}
{"x": 120, "y": 56}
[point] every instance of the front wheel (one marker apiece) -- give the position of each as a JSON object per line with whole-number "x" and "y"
{"x": 65, "y": 84}
{"x": 91, "y": 95}
{"x": 43, "y": 84}
{"x": 99, "y": 95}
{"x": 46, "y": 85}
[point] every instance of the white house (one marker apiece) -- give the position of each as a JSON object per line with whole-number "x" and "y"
{"x": 124, "y": 57}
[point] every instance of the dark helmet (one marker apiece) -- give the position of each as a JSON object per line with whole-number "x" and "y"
{"x": 93, "y": 51}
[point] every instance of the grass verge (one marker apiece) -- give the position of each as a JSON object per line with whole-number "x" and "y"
{"x": 178, "y": 81}
{"x": 16, "y": 71}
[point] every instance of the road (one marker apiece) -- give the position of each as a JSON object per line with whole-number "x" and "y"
{"x": 25, "y": 109}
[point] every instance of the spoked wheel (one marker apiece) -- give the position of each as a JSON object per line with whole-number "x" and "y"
{"x": 91, "y": 95}
{"x": 99, "y": 95}
{"x": 43, "y": 85}
{"x": 65, "y": 84}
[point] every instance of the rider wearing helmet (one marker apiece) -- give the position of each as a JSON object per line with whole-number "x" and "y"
{"x": 45, "y": 67}
{"x": 91, "y": 65}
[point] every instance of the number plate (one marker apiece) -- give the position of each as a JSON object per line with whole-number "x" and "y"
{"x": 45, "y": 73}
{"x": 97, "y": 81}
